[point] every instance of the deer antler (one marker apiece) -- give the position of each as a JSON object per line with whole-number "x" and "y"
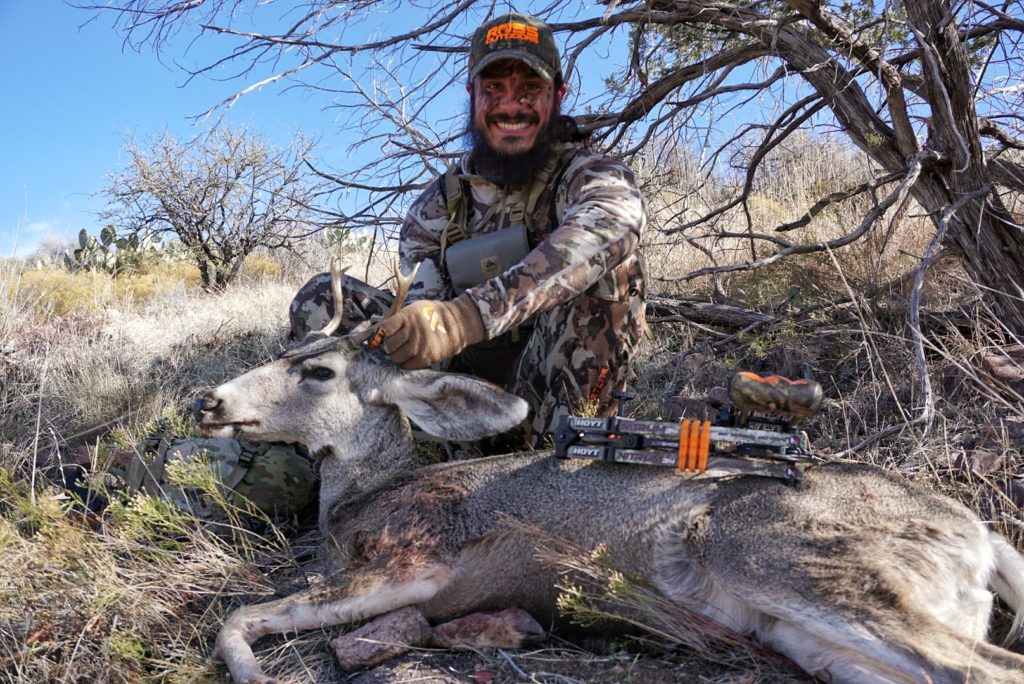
{"x": 401, "y": 292}
{"x": 339, "y": 297}
{"x": 402, "y": 289}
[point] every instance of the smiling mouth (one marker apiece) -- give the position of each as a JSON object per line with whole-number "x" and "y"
{"x": 513, "y": 126}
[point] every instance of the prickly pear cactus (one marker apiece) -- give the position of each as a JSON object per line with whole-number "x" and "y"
{"x": 111, "y": 254}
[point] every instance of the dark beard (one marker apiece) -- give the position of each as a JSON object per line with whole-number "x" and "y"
{"x": 510, "y": 169}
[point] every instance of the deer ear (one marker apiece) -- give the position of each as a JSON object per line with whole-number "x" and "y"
{"x": 451, "y": 406}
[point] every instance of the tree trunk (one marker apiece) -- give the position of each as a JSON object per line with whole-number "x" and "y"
{"x": 204, "y": 273}
{"x": 982, "y": 229}
{"x": 990, "y": 244}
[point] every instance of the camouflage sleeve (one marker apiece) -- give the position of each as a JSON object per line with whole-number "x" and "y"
{"x": 420, "y": 243}
{"x": 602, "y": 218}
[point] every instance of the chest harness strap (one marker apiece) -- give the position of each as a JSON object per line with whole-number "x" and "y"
{"x": 521, "y": 213}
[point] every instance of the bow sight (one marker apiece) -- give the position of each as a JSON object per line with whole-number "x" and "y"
{"x": 755, "y": 435}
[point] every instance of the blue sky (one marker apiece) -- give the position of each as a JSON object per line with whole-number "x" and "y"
{"x": 73, "y": 94}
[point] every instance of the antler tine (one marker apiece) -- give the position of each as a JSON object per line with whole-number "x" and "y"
{"x": 339, "y": 297}
{"x": 402, "y": 289}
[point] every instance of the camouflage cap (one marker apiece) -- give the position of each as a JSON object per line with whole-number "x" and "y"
{"x": 515, "y": 36}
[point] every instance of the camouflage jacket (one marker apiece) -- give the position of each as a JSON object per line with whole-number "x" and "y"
{"x": 584, "y": 235}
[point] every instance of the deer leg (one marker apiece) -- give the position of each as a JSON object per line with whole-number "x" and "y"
{"x": 497, "y": 570}
{"x": 509, "y": 628}
{"x": 362, "y": 595}
{"x": 917, "y": 651}
{"x": 380, "y": 639}
{"x": 393, "y": 634}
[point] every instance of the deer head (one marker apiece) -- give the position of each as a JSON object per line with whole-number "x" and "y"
{"x": 338, "y": 392}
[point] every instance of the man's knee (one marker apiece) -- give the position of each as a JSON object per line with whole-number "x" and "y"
{"x": 312, "y": 307}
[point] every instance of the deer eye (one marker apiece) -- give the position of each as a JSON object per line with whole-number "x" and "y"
{"x": 318, "y": 373}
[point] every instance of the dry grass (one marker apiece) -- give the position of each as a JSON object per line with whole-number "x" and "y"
{"x": 138, "y": 594}
{"x": 54, "y": 292}
{"x": 127, "y": 360}
{"x": 792, "y": 179}
{"x": 80, "y": 372}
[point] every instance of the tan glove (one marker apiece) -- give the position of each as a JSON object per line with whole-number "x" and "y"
{"x": 429, "y": 331}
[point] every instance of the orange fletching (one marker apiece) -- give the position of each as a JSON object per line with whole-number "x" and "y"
{"x": 684, "y": 434}
{"x": 692, "y": 445}
{"x": 705, "y": 446}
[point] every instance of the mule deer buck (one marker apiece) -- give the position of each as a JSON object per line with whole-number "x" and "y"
{"x": 854, "y": 573}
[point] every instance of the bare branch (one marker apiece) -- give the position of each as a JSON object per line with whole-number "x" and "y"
{"x": 927, "y": 259}
{"x": 895, "y": 197}
{"x": 834, "y": 197}
{"x": 990, "y": 128}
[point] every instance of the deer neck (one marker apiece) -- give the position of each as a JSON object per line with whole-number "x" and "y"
{"x": 357, "y": 465}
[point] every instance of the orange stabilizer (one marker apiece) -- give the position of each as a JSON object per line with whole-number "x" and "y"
{"x": 770, "y": 379}
{"x": 684, "y": 435}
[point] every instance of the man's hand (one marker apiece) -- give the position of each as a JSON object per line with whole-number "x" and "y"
{"x": 429, "y": 331}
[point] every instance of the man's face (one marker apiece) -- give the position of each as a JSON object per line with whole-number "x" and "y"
{"x": 512, "y": 106}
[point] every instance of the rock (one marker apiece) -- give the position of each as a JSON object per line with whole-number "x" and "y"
{"x": 1005, "y": 364}
{"x": 981, "y": 461}
{"x": 1000, "y": 367}
{"x": 482, "y": 677}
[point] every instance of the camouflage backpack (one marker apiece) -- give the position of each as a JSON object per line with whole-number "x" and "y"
{"x": 208, "y": 477}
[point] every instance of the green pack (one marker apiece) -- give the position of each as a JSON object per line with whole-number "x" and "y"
{"x": 277, "y": 479}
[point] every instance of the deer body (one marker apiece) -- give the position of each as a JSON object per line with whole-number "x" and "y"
{"x": 856, "y": 574}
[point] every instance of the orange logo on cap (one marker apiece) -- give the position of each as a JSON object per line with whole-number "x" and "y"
{"x": 512, "y": 31}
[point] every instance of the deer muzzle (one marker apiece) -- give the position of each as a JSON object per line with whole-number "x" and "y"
{"x": 204, "y": 406}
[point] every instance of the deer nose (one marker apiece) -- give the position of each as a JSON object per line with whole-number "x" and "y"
{"x": 204, "y": 404}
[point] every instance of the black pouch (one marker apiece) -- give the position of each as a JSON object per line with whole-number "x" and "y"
{"x": 472, "y": 261}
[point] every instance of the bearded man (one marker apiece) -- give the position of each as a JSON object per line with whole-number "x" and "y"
{"x": 528, "y": 270}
